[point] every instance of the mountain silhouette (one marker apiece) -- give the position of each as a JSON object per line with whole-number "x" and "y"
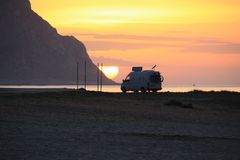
{"x": 32, "y": 52}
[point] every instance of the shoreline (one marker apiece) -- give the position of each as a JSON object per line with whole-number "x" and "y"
{"x": 37, "y": 90}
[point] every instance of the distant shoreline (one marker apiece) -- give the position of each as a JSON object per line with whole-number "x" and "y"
{"x": 27, "y": 84}
{"x": 114, "y": 88}
{"x": 62, "y": 90}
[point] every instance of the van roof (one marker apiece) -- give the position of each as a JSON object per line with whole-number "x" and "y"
{"x": 145, "y": 72}
{"x": 150, "y": 71}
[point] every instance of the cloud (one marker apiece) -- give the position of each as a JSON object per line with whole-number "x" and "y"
{"x": 153, "y": 38}
{"x": 118, "y": 62}
{"x": 183, "y": 43}
{"x": 210, "y": 48}
{"x": 109, "y": 45}
{"x": 137, "y": 37}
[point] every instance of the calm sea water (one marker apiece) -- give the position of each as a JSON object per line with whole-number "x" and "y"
{"x": 116, "y": 88}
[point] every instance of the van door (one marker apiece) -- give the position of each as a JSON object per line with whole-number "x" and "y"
{"x": 155, "y": 81}
{"x": 134, "y": 83}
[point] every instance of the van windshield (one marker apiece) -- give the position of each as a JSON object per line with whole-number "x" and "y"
{"x": 127, "y": 78}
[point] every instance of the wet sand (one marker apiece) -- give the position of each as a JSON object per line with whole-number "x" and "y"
{"x": 90, "y": 125}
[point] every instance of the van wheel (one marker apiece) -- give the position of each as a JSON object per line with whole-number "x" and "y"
{"x": 143, "y": 90}
{"x": 123, "y": 89}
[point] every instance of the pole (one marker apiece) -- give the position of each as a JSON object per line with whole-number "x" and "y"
{"x": 85, "y": 75}
{"x": 77, "y": 76}
{"x": 97, "y": 76}
{"x": 101, "y": 77}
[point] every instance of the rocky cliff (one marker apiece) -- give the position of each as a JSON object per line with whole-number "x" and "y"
{"x": 32, "y": 52}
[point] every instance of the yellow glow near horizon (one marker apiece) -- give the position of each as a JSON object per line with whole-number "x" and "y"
{"x": 153, "y": 17}
{"x": 75, "y": 12}
{"x": 110, "y": 71}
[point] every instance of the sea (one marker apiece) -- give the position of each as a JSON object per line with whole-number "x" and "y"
{"x": 116, "y": 88}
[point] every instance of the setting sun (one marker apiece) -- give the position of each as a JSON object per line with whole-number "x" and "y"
{"x": 110, "y": 71}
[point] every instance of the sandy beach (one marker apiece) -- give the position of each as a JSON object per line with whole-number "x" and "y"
{"x": 91, "y": 125}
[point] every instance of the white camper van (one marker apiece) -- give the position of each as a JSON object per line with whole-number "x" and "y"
{"x": 147, "y": 80}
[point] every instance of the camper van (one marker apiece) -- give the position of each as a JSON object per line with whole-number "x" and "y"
{"x": 142, "y": 80}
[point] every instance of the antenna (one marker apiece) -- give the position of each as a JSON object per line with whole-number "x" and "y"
{"x": 101, "y": 77}
{"x": 77, "y": 76}
{"x": 85, "y": 74}
{"x": 154, "y": 67}
{"x": 98, "y": 76}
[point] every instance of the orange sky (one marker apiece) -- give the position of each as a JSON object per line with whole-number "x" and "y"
{"x": 190, "y": 41}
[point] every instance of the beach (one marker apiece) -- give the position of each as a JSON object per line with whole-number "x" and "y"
{"x": 70, "y": 124}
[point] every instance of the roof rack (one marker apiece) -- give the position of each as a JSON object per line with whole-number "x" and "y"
{"x": 137, "y": 69}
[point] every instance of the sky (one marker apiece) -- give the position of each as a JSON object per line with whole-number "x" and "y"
{"x": 191, "y": 42}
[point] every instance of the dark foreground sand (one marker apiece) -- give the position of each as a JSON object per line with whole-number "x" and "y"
{"x": 90, "y": 125}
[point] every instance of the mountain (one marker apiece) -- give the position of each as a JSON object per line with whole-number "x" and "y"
{"x": 32, "y": 52}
